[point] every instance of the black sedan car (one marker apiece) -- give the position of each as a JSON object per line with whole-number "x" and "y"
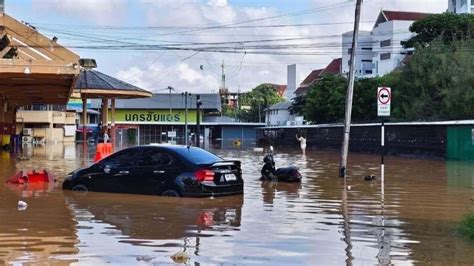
{"x": 167, "y": 170}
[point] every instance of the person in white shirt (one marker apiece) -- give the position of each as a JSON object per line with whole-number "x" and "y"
{"x": 302, "y": 141}
{"x": 106, "y": 137}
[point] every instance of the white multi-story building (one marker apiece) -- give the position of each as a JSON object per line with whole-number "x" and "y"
{"x": 364, "y": 65}
{"x": 381, "y": 51}
{"x": 461, "y": 6}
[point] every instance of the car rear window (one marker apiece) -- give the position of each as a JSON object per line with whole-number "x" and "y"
{"x": 198, "y": 156}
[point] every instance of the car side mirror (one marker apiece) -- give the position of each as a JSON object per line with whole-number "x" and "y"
{"x": 107, "y": 169}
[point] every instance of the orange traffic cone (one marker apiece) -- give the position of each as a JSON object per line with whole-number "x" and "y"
{"x": 99, "y": 152}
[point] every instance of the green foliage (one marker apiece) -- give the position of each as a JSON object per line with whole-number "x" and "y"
{"x": 229, "y": 111}
{"x": 297, "y": 105}
{"x": 325, "y": 100}
{"x": 437, "y": 83}
{"x": 364, "y": 107}
{"x": 260, "y": 98}
{"x": 466, "y": 226}
{"x": 446, "y": 26}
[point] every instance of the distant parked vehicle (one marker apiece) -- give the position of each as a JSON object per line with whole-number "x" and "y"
{"x": 167, "y": 170}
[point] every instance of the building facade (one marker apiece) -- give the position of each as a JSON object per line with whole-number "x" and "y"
{"x": 461, "y": 6}
{"x": 162, "y": 119}
{"x": 363, "y": 64}
{"x": 381, "y": 50}
{"x": 46, "y": 123}
{"x": 278, "y": 114}
{"x": 335, "y": 67}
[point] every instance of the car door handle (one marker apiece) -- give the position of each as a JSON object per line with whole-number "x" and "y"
{"x": 124, "y": 172}
{"x": 158, "y": 172}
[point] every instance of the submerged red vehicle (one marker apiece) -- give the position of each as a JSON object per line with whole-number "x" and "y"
{"x": 31, "y": 181}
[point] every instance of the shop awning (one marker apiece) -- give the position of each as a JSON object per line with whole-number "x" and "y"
{"x": 34, "y": 68}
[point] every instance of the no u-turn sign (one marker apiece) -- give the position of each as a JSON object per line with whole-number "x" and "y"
{"x": 384, "y": 98}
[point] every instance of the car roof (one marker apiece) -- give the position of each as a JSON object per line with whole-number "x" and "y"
{"x": 171, "y": 147}
{"x": 167, "y": 147}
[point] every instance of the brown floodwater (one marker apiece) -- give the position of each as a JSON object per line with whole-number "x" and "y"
{"x": 317, "y": 222}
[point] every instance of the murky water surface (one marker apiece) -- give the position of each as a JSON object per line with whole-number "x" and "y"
{"x": 313, "y": 223}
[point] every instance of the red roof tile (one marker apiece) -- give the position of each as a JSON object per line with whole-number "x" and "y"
{"x": 400, "y": 15}
{"x": 335, "y": 67}
{"x": 312, "y": 77}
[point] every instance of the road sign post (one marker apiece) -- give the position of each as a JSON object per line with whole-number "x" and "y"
{"x": 384, "y": 99}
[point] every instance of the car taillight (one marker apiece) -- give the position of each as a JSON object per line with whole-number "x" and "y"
{"x": 204, "y": 175}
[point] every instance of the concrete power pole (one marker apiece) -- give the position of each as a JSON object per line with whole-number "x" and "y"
{"x": 198, "y": 120}
{"x": 185, "y": 94}
{"x": 350, "y": 93}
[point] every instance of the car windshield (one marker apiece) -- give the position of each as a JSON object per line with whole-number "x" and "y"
{"x": 198, "y": 156}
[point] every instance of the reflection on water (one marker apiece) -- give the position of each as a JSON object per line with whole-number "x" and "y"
{"x": 320, "y": 221}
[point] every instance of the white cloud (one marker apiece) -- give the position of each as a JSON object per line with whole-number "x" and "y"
{"x": 218, "y": 3}
{"x": 103, "y": 12}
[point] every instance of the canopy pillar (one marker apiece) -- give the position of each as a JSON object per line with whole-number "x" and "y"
{"x": 84, "y": 126}
{"x": 2, "y": 119}
{"x": 112, "y": 116}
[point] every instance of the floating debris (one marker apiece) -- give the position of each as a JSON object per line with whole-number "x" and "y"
{"x": 369, "y": 178}
{"x": 145, "y": 258}
{"x": 180, "y": 257}
{"x": 22, "y": 205}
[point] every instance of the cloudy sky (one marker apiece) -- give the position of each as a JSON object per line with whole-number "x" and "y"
{"x": 240, "y": 26}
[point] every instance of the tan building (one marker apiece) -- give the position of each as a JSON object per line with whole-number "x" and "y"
{"x": 46, "y": 123}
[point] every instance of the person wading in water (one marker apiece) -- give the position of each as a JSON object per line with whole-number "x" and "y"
{"x": 302, "y": 141}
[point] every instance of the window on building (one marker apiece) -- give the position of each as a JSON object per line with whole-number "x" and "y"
{"x": 366, "y": 61}
{"x": 368, "y": 71}
{"x": 385, "y": 43}
{"x": 349, "y": 51}
{"x": 367, "y": 48}
{"x": 385, "y": 56}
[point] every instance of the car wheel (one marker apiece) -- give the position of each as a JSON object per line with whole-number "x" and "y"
{"x": 79, "y": 188}
{"x": 170, "y": 193}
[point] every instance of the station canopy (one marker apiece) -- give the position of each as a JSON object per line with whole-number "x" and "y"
{"x": 93, "y": 84}
{"x": 34, "y": 68}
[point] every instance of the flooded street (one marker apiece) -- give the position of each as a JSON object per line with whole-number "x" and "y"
{"x": 317, "y": 222}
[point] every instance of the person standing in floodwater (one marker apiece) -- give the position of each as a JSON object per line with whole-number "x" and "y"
{"x": 106, "y": 137}
{"x": 302, "y": 141}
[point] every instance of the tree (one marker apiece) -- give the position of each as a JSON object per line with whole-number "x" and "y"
{"x": 325, "y": 100}
{"x": 229, "y": 111}
{"x": 297, "y": 105}
{"x": 260, "y": 98}
{"x": 446, "y": 26}
{"x": 437, "y": 83}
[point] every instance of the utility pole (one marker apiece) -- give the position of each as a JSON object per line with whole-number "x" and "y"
{"x": 186, "y": 94}
{"x": 170, "y": 89}
{"x": 198, "y": 120}
{"x": 350, "y": 93}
